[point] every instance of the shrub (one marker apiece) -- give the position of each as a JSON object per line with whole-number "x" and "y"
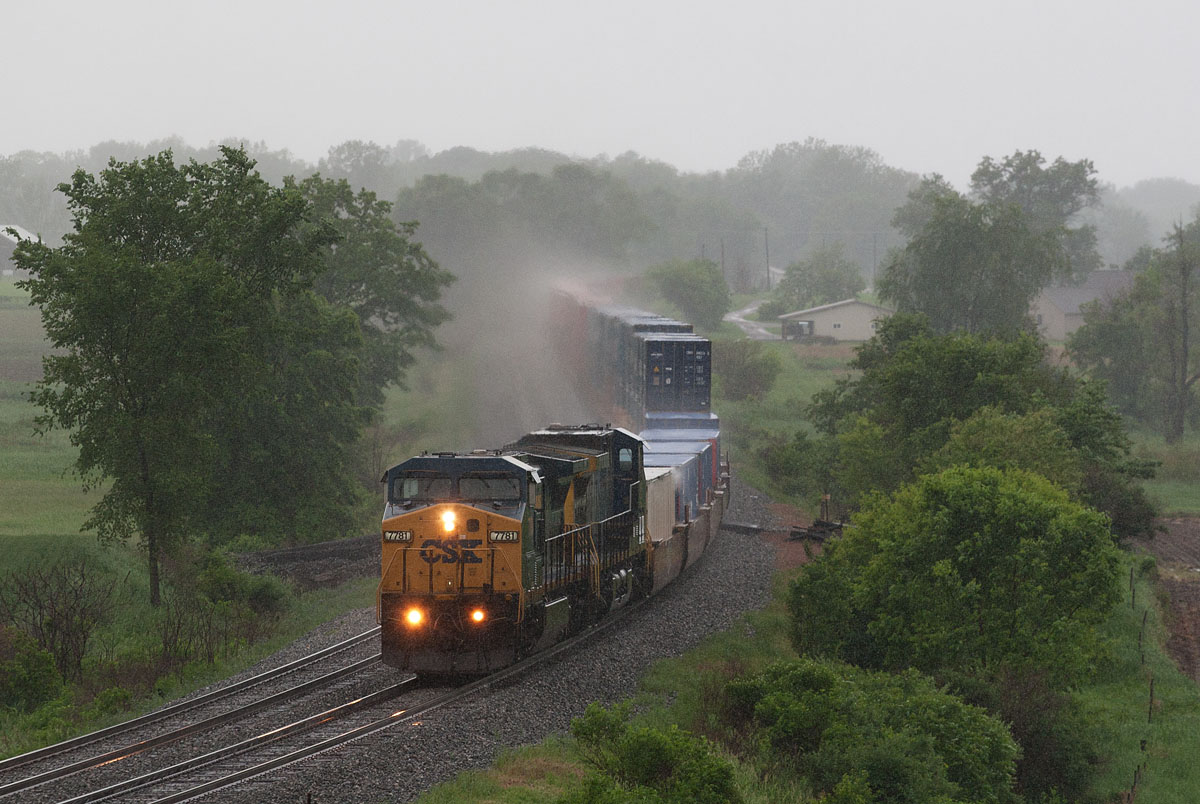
{"x": 28, "y": 676}
{"x": 966, "y": 569}
{"x": 645, "y": 765}
{"x": 59, "y": 605}
{"x": 110, "y": 701}
{"x": 747, "y": 368}
{"x": 873, "y": 737}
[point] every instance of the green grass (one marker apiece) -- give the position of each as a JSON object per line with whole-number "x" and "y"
{"x": 749, "y": 424}
{"x": 1176, "y": 485}
{"x": 538, "y": 774}
{"x": 41, "y": 502}
{"x": 1118, "y": 705}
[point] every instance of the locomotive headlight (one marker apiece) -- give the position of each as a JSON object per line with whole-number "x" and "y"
{"x": 478, "y": 616}
{"x": 448, "y": 521}
{"x": 414, "y": 617}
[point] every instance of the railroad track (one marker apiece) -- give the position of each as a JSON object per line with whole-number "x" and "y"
{"x": 248, "y": 769}
{"x": 22, "y": 774}
{"x": 276, "y": 747}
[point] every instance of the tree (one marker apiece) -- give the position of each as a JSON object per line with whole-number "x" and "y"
{"x": 378, "y": 269}
{"x": 916, "y": 389}
{"x": 1112, "y": 346}
{"x": 1052, "y": 197}
{"x": 362, "y": 164}
{"x": 1031, "y": 441}
{"x": 1143, "y": 342}
{"x": 806, "y": 192}
{"x": 187, "y": 344}
{"x": 972, "y": 267}
{"x": 695, "y": 287}
{"x": 969, "y": 569}
{"x": 826, "y": 276}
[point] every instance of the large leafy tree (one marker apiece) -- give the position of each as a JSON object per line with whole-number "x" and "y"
{"x": 924, "y": 400}
{"x": 695, "y": 287}
{"x": 378, "y": 269}
{"x": 968, "y": 266}
{"x": 1051, "y": 195}
{"x": 969, "y": 569}
{"x": 823, "y": 277}
{"x": 189, "y": 348}
{"x": 1144, "y": 343}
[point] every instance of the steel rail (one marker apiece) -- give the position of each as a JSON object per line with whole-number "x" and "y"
{"x": 398, "y": 717}
{"x": 154, "y": 777}
{"x": 180, "y": 707}
{"x": 184, "y": 731}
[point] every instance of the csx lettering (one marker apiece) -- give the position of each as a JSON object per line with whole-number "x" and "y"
{"x": 450, "y": 552}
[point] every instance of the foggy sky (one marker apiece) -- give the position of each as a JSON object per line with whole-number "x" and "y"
{"x": 932, "y": 85}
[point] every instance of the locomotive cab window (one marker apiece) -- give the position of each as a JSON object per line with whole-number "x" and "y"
{"x": 421, "y": 486}
{"x": 490, "y": 486}
{"x": 625, "y": 459}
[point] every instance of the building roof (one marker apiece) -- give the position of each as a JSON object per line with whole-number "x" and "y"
{"x": 22, "y": 233}
{"x": 830, "y": 306}
{"x": 1098, "y": 285}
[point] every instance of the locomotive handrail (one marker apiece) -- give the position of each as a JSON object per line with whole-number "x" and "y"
{"x": 582, "y": 538}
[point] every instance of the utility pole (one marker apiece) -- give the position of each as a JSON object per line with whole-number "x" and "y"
{"x": 767, "y": 251}
{"x": 874, "y": 257}
{"x": 723, "y": 259}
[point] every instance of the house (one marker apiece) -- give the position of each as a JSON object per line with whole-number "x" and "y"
{"x": 847, "y": 320}
{"x": 1057, "y": 310}
{"x": 8, "y": 244}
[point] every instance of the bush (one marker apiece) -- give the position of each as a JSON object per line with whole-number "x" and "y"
{"x": 872, "y": 737}
{"x": 647, "y": 765}
{"x": 110, "y": 701}
{"x": 968, "y": 568}
{"x": 1058, "y": 745}
{"x": 695, "y": 287}
{"x": 747, "y": 368}
{"x": 267, "y": 596}
{"x": 28, "y": 675}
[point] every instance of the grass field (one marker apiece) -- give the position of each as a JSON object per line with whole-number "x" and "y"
{"x": 41, "y": 502}
{"x": 1176, "y": 485}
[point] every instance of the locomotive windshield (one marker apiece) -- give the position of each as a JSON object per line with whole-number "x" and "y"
{"x": 490, "y": 486}
{"x": 423, "y": 486}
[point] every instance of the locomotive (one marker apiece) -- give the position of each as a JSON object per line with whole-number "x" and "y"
{"x": 491, "y": 555}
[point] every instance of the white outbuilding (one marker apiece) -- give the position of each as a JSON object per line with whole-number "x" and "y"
{"x": 847, "y": 320}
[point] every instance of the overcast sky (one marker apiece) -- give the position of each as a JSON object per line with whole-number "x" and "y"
{"x": 931, "y": 85}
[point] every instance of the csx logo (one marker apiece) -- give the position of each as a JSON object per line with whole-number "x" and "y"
{"x": 450, "y": 552}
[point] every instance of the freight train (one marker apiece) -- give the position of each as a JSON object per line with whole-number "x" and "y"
{"x": 495, "y": 554}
